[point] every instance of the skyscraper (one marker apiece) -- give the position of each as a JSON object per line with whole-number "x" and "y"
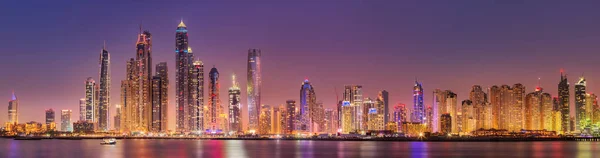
{"x": 82, "y": 107}
{"x": 400, "y": 113}
{"x": 580, "y": 102}
{"x": 290, "y": 117}
{"x": 308, "y": 107}
{"x": 13, "y": 109}
{"x": 253, "y": 88}
{"x": 160, "y": 101}
{"x": 117, "y": 118}
{"x": 384, "y": 97}
{"x": 235, "y": 122}
{"x": 265, "y": 120}
{"x": 564, "y": 103}
{"x": 353, "y": 104}
{"x": 534, "y": 110}
{"x": 482, "y": 111}
{"x": 418, "y": 107}
{"x": 130, "y": 92}
{"x": 50, "y": 123}
{"x": 194, "y": 109}
{"x": 90, "y": 100}
{"x": 144, "y": 59}
{"x": 65, "y": 121}
{"x": 214, "y": 109}
{"x": 104, "y": 95}
{"x": 468, "y": 121}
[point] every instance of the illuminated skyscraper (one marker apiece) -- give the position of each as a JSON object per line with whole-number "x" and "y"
{"x": 253, "y": 88}
{"x": 183, "y": 66}
{"x": 330, "y": 119}
{"x": 13, "y": 109}
{"x": 50, "y": 123}
{"x": 590, "y": 105}
{"x": 90, "y": 100}
{"x": 354, "y": 98}
{"x": 429, "y": 118}
{"x": 277, "y": 119}
{"x": 194, "y": 109}
{"x": 507, "y": 106}
{"x": 82, "y": 107}
{"x": 564, "y": 103}
{"x": 130, "y": 118}
{"x": 580, "y": 103}
{"x": 235, "y": 109}
{"x": 65, "y": 121}
{"x": 290, "y": 117}
{"x": 516, "y": 109}
{"x": 308, "y": 103}
{"x": 104, "y": 95}
{"x": 400, "y": 113}
{"x": 468, "y": 121}
{"x": 418, "y": 107}
{"x": 144, "y": 58}
{"x": 160, "y": 99}
{"x": 117, "y": 118}
{"x": 482, "y": 112}
{"x": 214, "y": 109}
{"x": 265, "y": 120}
{"x": 368, "y": 103}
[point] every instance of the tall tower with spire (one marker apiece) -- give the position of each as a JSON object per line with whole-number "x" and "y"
{"x": 563, "y": 101}
{"x": 418, "y": 107}
{"x": 214, "y": 108}
{"x": 104, "y": 96}
{"x": 144, "y": 57}
{"x": 13, "y": 109}
{"x": 189, "y": 80}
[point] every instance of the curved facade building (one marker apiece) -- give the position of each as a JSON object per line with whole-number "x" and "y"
{"x": 253, "y": 88}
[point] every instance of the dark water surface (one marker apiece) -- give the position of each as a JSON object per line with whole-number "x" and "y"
{"x": 291, "y": 149}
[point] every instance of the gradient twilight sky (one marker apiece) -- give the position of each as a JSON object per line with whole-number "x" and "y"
{"x": 49, "y": 48}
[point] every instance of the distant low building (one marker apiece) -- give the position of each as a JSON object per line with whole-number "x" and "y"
{"x": 83, "y": 127}
{"x": 413, "y": 129}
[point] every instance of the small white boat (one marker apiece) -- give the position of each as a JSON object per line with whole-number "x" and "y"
{"x": 109, "y": 141}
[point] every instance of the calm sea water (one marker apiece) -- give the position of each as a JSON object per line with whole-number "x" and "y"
{"x": 292, "y": 149}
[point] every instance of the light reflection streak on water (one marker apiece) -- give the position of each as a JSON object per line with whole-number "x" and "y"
{"x": 14, "y": 149}
{"x": 235, "y": 149}
{"x": 340, "y": 149}
{"x": 418, "y": 149}
{"x": 583, "y": 149}
{"x": 538, "y": 149}
{"x": 306, "y": 149}
{"x": 367, "y": 149}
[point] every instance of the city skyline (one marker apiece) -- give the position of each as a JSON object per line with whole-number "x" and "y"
{"x": 280, "y": 75}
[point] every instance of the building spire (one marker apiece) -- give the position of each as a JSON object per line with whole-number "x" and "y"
{"x": 14, "y": 97}
{"x": 234, "y": 82}
{"x": 181, "y": 24}
{"x": 104, "y": 47}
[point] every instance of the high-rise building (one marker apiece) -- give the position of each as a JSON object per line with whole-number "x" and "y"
{"x": 144, "y": 58}
{"x": 538, "y": 105}
{"x": 265, "y": 120}
{"x": 214, "y": 109}
{"x": 468, "y": 121}
{"x": 375, "y": 113}
{"x": 160, "y": 86}
{"x": 330, "y": 121}
{"x": 308, "y": 107}
{"x": 482, "y": 112}
{"x": 130, "y": 118}
{"x": 429, "y": 118}
{"x": 383, "y": 96}
{"x": 290, "y": 106}
{"x": 353, "y": 97}
{"x": 591, "y": 101}
{"x": 117, "y": 118}
{"x": 253, "y": 88}
{"x": 446, "y": 123}
{"x": 347, "y": 117}
{"x": 65, "y": 121}
{"x": 564, "y": 102}
{"x": 235, "y": 109}
{"x": 82, "y": 107}
{"x": 194, "y": 109}
{"x": 183, "y": 85}
{"x": 104, "y": 95}
{"x": 400, "y": 113}
{"x": 13, "y": 109}
{"x": 368, "y": 103}
{"x": 90, "y": 100}
{"x": 580, "y": 103}
{"x": 418, "y": 107}
{"x": 50, "y": 123}
{"x": 445, "y": 102}
{"x": 277, "y": 119}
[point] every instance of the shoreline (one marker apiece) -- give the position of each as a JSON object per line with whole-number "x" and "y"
{"x": 478, "y": 139}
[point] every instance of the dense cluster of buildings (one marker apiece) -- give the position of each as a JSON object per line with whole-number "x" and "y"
{"x": 144, "y": 95}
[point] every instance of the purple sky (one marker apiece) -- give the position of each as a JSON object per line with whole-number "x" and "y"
{"x": 49, "y": 48}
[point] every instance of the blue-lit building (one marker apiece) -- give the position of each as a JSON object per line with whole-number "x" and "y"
{"x": 307, "y": 101}
{"x": 418, "y": 114}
